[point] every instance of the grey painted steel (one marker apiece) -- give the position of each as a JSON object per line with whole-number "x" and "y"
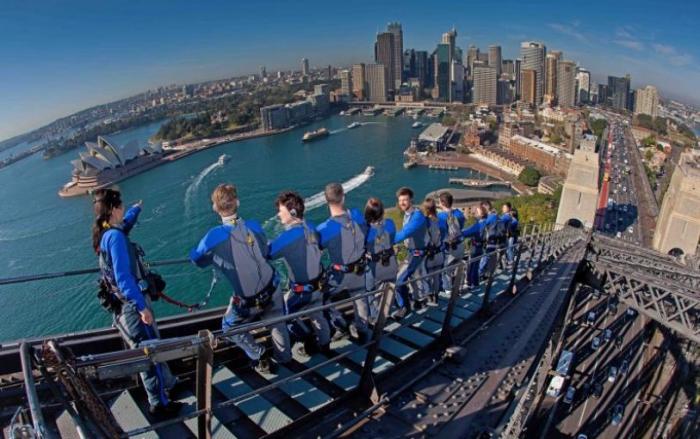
{"x": 30, "y": 390}
{"x": 205, "y": 364}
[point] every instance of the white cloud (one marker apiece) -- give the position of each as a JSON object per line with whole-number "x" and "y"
{"x": 672, "y": 55}
{"x": 571, "y": 31}
{"x": 630, "y": 44}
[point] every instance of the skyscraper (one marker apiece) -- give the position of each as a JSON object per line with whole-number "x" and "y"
{"x": 375, "y": 76}
{"x": 517, "y": 68}
{"x": 305, "y": 67}
{"x": 263, "y": 72}
{"x": 457, "y": 79}
{"x": 450, "y": 38}
{"x": 495, "y": 59}
{"x": 397, "y": 32}
{"x": 533, "y": 55}
{"x": 566, "y": 83}
{"x": 603, "y": 94}
{"x": 345, "y": 82}
{"x": 422, "y": 66}
{"x": 528, "y": 86}
{"x": 646, "y": 101}
{"x": 550, "y": 80}
{"x": 619, "y": 92}
{"x": 441, "y": 90}
{"x": 508, "y": 67}
{"x": 359, "y": 84}
{"x": 583, "y": 86}
{"x": 485, "y": 89}
{"x": 384, "y": 55}
{"x": 472, "y": 55}
{"x": 409, "y": 64}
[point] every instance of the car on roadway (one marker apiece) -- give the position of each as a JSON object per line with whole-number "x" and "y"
{"x": 617, "y": 413}
{"x": 581, "y": 436}
{"x": 570, "y": 393}
{"x": 630, "y": 312}
{"x": 619, "y": 341}
{"x": 612, "y": 308}
{"x": 590, "y": 319}
{"x": 630, "y": 229}
{"x": 624, "y": 367}
{"x": 618, "y": 235}
{"x": 595, "y": 344}
{"x": 612, "y": 374}
{"x": 597, "y": 390}
{"x": 607, "y": 335}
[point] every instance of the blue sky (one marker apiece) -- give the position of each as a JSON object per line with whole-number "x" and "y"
{"x": 58, "y": 57}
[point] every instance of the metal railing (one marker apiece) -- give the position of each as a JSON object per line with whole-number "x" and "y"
{"x": 536, "y": 245}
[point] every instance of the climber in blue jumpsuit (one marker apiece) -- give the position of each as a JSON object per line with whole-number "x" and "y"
{"x": 454, "y": 242}
{"x": 124, "y": 275}
{"x": 475, "y": 234}
{"x": 415, "y": 233}
{"x": 239, "y": 249}
{"x": 343, "y": 236}
{"x": 298, "y": 247}
{"x": 512, "y": 228}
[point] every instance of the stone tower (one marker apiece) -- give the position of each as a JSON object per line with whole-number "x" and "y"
{"x": 579, "y": 197}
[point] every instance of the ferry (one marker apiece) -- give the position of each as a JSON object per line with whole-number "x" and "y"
{"x": 223, "y": 158}
{"x": 369, "y": 170}
{"x": 416, "y": 124}
{"x": 310, "y": 136}
{"x": 354, "y": 125}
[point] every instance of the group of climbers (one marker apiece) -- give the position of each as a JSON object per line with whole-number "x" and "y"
{"x": 361, "y": 257}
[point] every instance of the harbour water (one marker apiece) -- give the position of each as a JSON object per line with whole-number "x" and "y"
{"x": 40, "y": 232}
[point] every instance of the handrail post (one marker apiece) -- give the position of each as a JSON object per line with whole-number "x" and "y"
{"x": 491, "y": 267}
{"x": 367, "y": 386}
{"x": 516, "y": 261}
{"x": 532, "y": 247}
{"x": 457, "y": 281}
{"x": 205, "y": 362}
{"x": 543, "y": 238}
{"x": 30, "y": 389}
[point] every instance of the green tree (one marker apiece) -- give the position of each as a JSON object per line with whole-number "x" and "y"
{"x": 598, "y": 125}
{"x": 529, "y": 176}
{"x": 649, "y": 154}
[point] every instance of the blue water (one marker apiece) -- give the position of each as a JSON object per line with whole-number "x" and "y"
{"x": 40, "y": 232}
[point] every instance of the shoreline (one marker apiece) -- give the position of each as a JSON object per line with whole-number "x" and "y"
{"x": 468, "y": 161}
{"x": 169, "y": 156}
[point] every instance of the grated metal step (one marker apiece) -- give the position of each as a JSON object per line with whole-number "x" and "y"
{"x": 299, "y": 389}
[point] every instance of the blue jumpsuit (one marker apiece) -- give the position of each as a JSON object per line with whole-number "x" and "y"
{"x": 118, "y": 267}
{"x": 298, "y": 248}
{"x": 475, "y": 233}
{"x": 381, "y": 238}
{"x": 512, "y": 227}
{"x": 239, "y": 250}
{"x": 454, "y": 249}
{"x": 415, "y": 233}
{"x": 343, "y": 252}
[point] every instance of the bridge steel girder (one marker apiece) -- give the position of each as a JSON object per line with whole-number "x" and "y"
{"x": 670, "y": 303}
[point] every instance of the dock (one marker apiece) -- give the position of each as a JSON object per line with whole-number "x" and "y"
{"x": 470, "y": 182}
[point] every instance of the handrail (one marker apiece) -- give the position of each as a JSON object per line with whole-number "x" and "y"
{"x": 555, "y": 240}
{"x": 157, "y": 263}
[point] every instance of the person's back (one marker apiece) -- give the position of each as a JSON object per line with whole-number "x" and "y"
{"x": 454, "y": 241}
{"x": 239, "y": 250}
{"x": 383, "y": 266}
{"x": 298, "y": 248}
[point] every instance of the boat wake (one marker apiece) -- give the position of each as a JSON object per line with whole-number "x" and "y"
{"x": 339, "y": 130}
{"x": 192, "y": 188}
{"x": 319, "y": 199}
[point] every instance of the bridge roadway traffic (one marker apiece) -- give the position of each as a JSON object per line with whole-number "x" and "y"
{"x": 471, "y": 392}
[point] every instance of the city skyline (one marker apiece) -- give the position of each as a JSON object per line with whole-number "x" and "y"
{"x": 65, "y": 59}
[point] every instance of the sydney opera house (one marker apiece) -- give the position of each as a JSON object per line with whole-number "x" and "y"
{"x": 104, "y": 163}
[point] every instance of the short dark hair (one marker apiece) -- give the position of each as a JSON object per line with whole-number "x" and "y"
{"x": 446, "y": 199}
{"x": 293, "y": 202}
{"x": 508, "y": 205}
{"x": 374, "y": 210}
{"x": 334, "y": 193}
{"x": 429, "y": 208}
{"x": 404, "y": 191}
{"x": 486, "y": 204}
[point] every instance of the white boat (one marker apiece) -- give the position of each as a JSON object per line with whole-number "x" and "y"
{"x": 354, "y": 125}
{"x": 223, "y": 158}
{"x": 369, "y": 170}
{"x": 342, "y": 113}
{"x": 416, "y": 125}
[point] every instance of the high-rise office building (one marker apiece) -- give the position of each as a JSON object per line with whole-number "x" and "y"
{"x": 442, "y": 87}
{"x": 397, "y": 71}
{"x": 528, "y": 86}
{"x": 566, "y": 84}
{"x": 485, "y": 88}
{"x": 603, "y": 95}
{"x": 495, "y": 59}
{"x": 263, "y": 72}
{"x": 508, "y": 67}
{"x": 517, "y": 67}
{"x": 472, "y": 55}
{"x": 422, "y": 68}
{"x": 457, "y": 79}
{"x": 646, "y": 101}
{"x": 619, "y": 92}
{"x": 533, "y": 56}
{"x": 583, "y": 86}
{"x": 450, "y": 38}
{"x": 384, "y": 55}
{"x": 550, "y": 76}
{"x": 409, "y": 63}
{"x": 375, "y": 77}
{"x": 345, "y": 82}
{"x": 359, "y": 83}
{"x": 504, "y": 94}
{"x": 305, "y": 67}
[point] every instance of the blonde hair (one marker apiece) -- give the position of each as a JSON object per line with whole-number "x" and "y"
{"x": 225, "y": 199}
